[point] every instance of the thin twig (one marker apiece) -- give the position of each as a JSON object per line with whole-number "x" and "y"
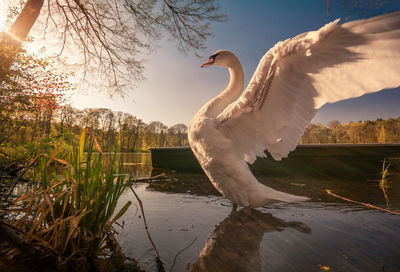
{"x": 145, "y": 222}
{"x": 182, "y": 250}
{"x": 361, "y": 203}
{"x": 162, "y": 176}
{"x": 11, "y": 188}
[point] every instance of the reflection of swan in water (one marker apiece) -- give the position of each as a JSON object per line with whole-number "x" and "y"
{"x": 235, "y": 243}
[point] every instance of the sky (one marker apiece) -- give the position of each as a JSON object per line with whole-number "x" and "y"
{"x": 176, "y": 87}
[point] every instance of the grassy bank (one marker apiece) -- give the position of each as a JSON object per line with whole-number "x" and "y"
{"x": 69, "y": 219}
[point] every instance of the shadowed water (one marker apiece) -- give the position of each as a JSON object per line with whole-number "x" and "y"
{"x": 325, "y": 232}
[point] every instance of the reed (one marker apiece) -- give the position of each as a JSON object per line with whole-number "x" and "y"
{"x": 72, "y": 216}
{"x": 383, "y": 182}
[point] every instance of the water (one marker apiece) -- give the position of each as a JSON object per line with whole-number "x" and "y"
{"x": 137, "y": 165}
{"x": 322, "y": 233}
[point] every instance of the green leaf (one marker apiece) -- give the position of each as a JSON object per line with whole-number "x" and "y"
{"x": 122, "y": 211}
{"x": 82, "y": 145}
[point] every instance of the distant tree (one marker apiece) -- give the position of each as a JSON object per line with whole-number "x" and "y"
{"x": 367, "y": 134}
{"x": 315, "y": 134}
{"x": 106, "y": 125}
{"x": 382, "y": 135}
{"x": 68, "y": 116}
{"x": 334, "y": 131}
{"x": 47, "y": 91}
{"x": 91, "y": 119}
{"x": 179, "y": 131}
{"x": 333, "y": 124}
{"x": 157, "y": 129}
{"x": 137, "y": 126}
{"x": 129, "y": 131}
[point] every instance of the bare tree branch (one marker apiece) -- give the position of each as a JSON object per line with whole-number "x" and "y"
{"x": 110, "y": 35}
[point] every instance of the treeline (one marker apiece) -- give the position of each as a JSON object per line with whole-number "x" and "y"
{"x": 130, "y": 133}
{"x": 378, "y": 131}
{"x": 110, "y": 128}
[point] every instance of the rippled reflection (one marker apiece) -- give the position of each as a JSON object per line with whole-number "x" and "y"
{"x": 234, "y": 244}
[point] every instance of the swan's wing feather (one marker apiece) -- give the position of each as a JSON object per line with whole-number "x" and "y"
{"x": 296, "y": 77}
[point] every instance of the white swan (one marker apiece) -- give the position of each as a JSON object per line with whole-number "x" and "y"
{"x": 292, "y": 81}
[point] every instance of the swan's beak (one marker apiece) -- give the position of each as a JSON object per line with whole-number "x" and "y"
{"x": 208, "y": 63}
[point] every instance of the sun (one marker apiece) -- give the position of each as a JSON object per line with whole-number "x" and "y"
{"x": 2, "y": 17}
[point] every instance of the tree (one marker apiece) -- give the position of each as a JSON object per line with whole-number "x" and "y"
{"x": 109, "y": 34}
{"x": 128, "y": 126}
{"x": 382, "y": 135}
{"x": 47, "y": 90}
{"x": 158, "y": 130}
{"x": 180, "y": 134}
{"x": 334, "y": 131}
{"x": 15, "y": 102}
{"x": 31, "y": 90}
{"x": 11, "y": 42}
{"x": 68, "y": 116}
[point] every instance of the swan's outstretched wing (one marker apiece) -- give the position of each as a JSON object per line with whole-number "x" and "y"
{"x": 296, "y": 77}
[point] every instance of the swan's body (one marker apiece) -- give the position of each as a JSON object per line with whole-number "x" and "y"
{"x": 293, "y": 80}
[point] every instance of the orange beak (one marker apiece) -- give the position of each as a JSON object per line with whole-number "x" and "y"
{"x": 210, "y": 62}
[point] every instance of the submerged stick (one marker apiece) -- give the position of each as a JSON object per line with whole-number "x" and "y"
{"x": 161, "y": 176}
{"x": 361, "y": 203}
{"x": 182, "y": 250}
{"x": 158, "y": 259}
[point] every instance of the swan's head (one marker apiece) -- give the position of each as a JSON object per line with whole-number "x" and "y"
{"x": 221, "y": 58}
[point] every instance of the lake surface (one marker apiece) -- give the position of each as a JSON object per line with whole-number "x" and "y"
{"x": 195, "y": 229}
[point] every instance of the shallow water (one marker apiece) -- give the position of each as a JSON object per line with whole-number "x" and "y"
{"x": 322, "y": 233}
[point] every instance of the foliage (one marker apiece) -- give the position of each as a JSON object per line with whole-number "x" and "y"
{"x": 15, "y": 157}
{"x": 31, "y": 92}
{"x": 382, "y": 135}
{"x": 72, "y": 215}
{"x": 132, "y": 134}
{"x": 111, "y": 129}
{"x": 378, "y": 131}
{"x": 14, "y": 98}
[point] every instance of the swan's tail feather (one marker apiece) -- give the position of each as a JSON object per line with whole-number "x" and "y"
{"x": 241, "y": 187}
{"x": 285, "y": 197}
{"x": 267, "y": 195}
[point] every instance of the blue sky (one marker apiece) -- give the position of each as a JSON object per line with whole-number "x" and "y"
{"x": 176, "y": 87}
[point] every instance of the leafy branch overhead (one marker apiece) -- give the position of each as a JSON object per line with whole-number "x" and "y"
{"x": 111, "y": 34}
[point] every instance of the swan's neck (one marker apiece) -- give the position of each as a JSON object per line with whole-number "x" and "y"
{"x": 232, "y": 92}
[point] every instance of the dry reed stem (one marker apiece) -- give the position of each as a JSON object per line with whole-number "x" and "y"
{"x": 145, "y": 222}
{"x": 361, "y": 203}
{"x": 97, "y": 146}
{"x": 12, "y": 186}
{"x": 160, "y": 266}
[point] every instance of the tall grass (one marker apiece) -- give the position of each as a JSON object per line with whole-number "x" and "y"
{"x": 73, "y": 215}
{"x": 383, "y": 182}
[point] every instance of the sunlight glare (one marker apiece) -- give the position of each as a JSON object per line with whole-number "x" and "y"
{"x": 2, "y": 17}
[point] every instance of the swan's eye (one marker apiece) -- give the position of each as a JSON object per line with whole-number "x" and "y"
{"x": 210, "y": 61}
{"x": 213, "y": 57}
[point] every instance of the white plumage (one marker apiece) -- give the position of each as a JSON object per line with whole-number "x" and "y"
{"x": 292, "y": 81}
